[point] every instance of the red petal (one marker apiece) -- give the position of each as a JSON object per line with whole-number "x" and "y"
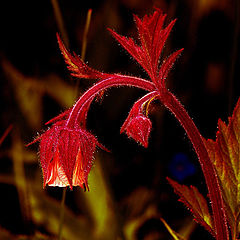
{"x": 68, "y": 146}
{"x": 80, "y": 174}
{"x": 48, "y": 144}
{"x": 76, "y": 149}
{"x": 55, "y": 175}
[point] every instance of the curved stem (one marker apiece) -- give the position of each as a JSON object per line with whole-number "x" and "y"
{"x": 140, "y": 103}
{"x": 111, "y": 81}
{"x": 219, "y": 216}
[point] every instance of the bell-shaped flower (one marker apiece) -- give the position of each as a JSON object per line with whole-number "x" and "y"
{"x": 139, "y": 129}
{"x": 137, "y": 125}
{"x": 66, "y": 155}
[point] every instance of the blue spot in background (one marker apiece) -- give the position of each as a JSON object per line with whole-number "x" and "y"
{"x": 180, "y": 167}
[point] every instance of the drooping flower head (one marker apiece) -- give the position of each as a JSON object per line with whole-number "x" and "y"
{"x": 137, "y": 125}
{"x": 66, "y": 155}
{"x": 67, "y": 148}
{"x": 152, "y": 35}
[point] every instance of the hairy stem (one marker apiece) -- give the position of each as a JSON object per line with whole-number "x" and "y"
{"x": 113, "y": 80}
{"x": 219, "y": 216}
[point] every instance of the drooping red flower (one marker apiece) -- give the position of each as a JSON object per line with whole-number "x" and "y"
{"x": 66, "y": 149}
{"x": 137, "y": 125}
{"x": 66, "y": 155}
{"x": 139, "y": 129}
{"x": 152, "y": 35}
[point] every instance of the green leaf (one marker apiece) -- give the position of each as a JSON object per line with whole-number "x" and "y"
{"x": 224, "y": 153}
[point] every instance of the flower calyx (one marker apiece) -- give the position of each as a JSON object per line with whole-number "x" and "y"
{"x": 137, "y": 125}
{"x": 66, "y": 155}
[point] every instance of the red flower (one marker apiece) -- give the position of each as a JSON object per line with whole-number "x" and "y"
{"x": 66, "y": 149}
{"x": 137, "y": 125}
{"x": 139, "y": 129}
{"x": 66, "y": 155}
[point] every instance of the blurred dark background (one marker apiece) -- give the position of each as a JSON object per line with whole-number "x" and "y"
{"x": 131, "y": 192}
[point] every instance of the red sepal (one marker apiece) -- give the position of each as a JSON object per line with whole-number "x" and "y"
{"x": 139, "y": 129}
{"x": 138, "y": 126}
{"x": 66, "y": 155}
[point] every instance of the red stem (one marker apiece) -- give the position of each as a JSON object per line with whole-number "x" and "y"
{"x": 170, "y": 101}
{"x": 139, "y": 103}
{"x": 113, "y": 80}
{"x": 219, "y": 216}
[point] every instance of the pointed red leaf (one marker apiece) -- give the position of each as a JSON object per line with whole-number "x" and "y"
{"x": 75, "y": 63}
{"x": 134, "y": 50}
{"x": 152, "y": 37}
{"x": 159, "y": 40}
{"x": 166, "y": 67}
{"x": 197, "y": 204}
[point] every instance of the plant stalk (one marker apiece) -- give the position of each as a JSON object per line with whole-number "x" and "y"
{"x": 115, "y": 80}
{"x": 217, "y": 204}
